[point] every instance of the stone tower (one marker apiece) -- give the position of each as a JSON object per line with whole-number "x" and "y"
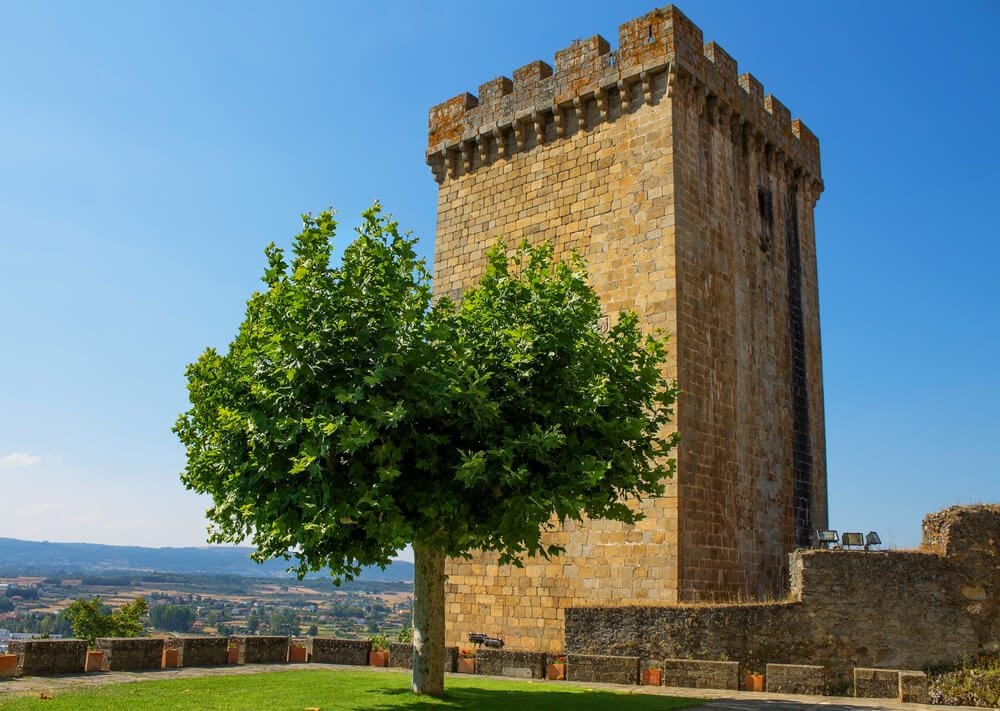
{"x": 690, "y": 194}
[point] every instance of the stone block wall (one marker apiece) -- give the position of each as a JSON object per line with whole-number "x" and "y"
{"x": 690, "y": 195}
{"x": 199, "y": 651}
{"x": 328, "y": 650}
{"x": 509, "y": 662}
{"x": 130, "y": 653}
{"x": 262, "y": 650}
{"x": 49, "y": 656}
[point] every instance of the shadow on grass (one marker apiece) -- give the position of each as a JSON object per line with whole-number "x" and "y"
{"x": 551, "y": 700}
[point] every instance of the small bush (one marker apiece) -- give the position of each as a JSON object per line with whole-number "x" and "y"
{"x": 974, "y": 683}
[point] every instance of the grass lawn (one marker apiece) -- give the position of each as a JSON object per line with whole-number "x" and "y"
{"x": 326, "y": 690}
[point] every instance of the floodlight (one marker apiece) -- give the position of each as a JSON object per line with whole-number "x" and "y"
{"x": 852, "y": 539}
{"x": 826, "y": 538}
{"x": 872, "y": 539}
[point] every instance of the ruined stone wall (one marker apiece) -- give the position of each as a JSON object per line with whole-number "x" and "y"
{"x": 890, "y": 609}
{"x": 636, "y": 159}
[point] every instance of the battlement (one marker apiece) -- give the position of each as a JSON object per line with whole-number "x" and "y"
{"x": 662, "y": 52}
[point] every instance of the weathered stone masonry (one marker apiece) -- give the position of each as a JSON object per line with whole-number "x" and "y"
{"x": 888, "y": 609}
{"x": 690, "y": 194}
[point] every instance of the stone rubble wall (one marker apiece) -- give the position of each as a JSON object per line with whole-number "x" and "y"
{"x": 401, "y": 656}
{"x": 193, "y": 651}
{"x": 37, "y": 657}
{"x": 847, "y": 609}
{"x": 262, "y": 650}
{"x": 130, "y": 653}
{"x": 328, "y": 650}
{"x": 508, "y": 662}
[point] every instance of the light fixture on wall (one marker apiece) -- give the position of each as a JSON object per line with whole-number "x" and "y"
{"x": 826, "y": 538}
{"x": 852, "y": 540}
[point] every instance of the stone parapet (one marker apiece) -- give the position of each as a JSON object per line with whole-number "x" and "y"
{"x": 795, "y": 679}
{"x": 130, "y": 653}
{"x": 510, "y": 662}
{"x": 262, "y": 650}
{"x": 601, "y": 668}
{"x": 876, "y": 683}
{"x": 913, "y": 687}
{"x": 40, "y": 657}
{"x": 354, "y": 652}
{"x": 591, "y": 83}
{"x": 199, "y": 651}
{"x": 697, "y": 674}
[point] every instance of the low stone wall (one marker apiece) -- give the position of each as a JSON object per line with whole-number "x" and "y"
{"x": 795, "y": 679}
{"x": 607, "y": 669}
{"x": 401, "y": 656}
{"x": 130, "y": 653}
{"x": 49, "y": 656}
{"x": 876, "y": 683}
{"x": 701, "y": 675}
{"x": 199, "y": 651}
{"x": 913, "y": 687}
{"x": 262, "y": 650}
{"x": 509, "y": 662}
{"x": 328, "y": 650}
{"x": 843, "y": 611}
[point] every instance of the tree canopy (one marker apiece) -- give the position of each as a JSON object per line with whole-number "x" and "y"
{"x": 91, "y": 619}
{"x": 354, "y": 414}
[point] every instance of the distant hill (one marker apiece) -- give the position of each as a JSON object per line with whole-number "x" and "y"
{"x": 46, "y": 557}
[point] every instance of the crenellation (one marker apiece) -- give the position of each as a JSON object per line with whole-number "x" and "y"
{"x": 659, "y": 46}
{"x": 492, "y": 92}
{"x": 724, "y": 64}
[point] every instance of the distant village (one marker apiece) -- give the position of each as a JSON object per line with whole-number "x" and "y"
{"x": 33, "y": 606}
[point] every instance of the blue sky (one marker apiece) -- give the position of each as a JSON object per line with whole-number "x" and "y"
{"x": 149, "y": 151}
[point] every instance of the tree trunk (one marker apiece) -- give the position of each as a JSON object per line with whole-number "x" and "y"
{"x": 428, "y": 621}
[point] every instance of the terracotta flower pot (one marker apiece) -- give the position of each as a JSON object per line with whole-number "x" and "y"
{"x": 170, "y": 658}
{"x": 95, "y": 661}
{"x": 753, "y": 682}
{"x": 378, "y": 658}
{"x": 8, "y": 665}
{"x": 651, "y": 677}
{"x": 297, "y": 654}
{"x": 556, "y": 671}
{"x": 466, "y": 665}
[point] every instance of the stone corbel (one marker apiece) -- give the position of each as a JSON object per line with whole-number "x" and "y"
{"x": 539, "y": 121}
{"x": 581, "y": 113}
{"x": 602, "y": 105}
{"x": 560, "y": 120}
{"x": 451, "y": 163}
{"x": 467, "y": 156}
{"x": 498, "y": 136}
{"x": 671, "y": 79}
{"x": 520, "y": 140}
{"x": 484, "y": 148}
{"x": 647, "y": 86}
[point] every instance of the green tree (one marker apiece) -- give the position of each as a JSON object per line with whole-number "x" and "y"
{"x": 91, "y": 619}
{"x": 173, "y": 618}
{"x": 353, "y": 414}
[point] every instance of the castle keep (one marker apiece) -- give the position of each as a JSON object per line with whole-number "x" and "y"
{"x": 690, "y": 194}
